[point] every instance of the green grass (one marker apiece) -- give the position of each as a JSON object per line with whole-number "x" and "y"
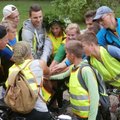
{"x": 23, "y": 7}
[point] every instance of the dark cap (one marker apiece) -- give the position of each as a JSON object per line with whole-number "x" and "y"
{"x": 3, "y": 31}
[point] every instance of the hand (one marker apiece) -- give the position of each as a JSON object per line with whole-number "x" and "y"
{"x": 58, "y": 68}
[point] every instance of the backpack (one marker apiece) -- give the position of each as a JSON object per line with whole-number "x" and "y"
{"x": 104, "y": 99}
{"x": 19, "y": 95}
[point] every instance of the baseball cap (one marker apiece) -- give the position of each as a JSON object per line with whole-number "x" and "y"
{"x": 101, "y": 11}
{"x": 8, "y": 10}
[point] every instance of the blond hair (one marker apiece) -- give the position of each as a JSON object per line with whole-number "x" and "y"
{"x": 8, "y": 24}
{"x": 72, "y": 26}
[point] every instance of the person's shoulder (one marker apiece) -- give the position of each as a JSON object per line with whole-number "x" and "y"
{"x": 27, "y": 25}
{"x": 6, "y": 50}
{"x": 102, "y": 31}
{"x": 84, "y": 65}
{"x": 118, "y": 19}
{"x": 35, "y": 63}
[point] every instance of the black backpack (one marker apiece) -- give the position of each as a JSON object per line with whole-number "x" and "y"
{"x": 104, "y": 99}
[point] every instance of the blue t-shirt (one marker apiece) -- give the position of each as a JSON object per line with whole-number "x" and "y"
{"x": 6, "y": 52}
{"x": 12, "y": 42}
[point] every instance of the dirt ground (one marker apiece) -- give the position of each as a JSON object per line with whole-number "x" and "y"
{"x": 113, "y": 101}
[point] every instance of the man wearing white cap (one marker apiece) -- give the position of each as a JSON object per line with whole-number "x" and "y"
{"x": 109, "y": 34}
{"x": 10, "y": 12}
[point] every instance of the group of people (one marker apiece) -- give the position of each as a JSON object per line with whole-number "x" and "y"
{"x": 58, "y": 53}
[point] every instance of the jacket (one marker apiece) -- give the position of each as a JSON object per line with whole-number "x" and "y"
{"x": 41, "y": 45}
{"x": 105, "y": 36}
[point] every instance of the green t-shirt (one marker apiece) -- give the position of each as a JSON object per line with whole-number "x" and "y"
{"x": 60, "y": 55}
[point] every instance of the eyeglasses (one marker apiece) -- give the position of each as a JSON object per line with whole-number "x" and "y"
{"x": 103, "y": 17}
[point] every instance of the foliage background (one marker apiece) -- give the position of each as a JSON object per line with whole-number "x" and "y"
{"x": 74, "y": 9}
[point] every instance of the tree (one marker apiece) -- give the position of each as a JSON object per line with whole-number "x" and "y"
{"x": 75, "y": 9}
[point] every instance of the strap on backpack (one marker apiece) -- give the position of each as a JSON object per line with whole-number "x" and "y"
{"x": 101, "y": 84}
{"x": 14, "y": 74}
{"x": 80, "y": 79}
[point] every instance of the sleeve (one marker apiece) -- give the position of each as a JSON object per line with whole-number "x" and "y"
{"x": 114, "y": 51}
{"x": 7, "y": 53}
{"x": 36, "y": 70}
{"x": 28, "y": 36}
{"x": 47, "y": 50}
{"x": 90, "y": 80}
{"x": 60, "y": 76}
{"x": 67, "y": 62}
{"x": 60, "y": 54}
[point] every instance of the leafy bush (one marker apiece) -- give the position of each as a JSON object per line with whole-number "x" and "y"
{"x": 75, "y": 9}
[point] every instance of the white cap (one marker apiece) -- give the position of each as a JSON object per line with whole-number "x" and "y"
{"x": 8, "y": 10}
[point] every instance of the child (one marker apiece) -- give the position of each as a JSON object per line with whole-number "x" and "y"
{"x": 56, "y": 34}
{"x": 100, "y": 58}
{"x": 84, "y": 103}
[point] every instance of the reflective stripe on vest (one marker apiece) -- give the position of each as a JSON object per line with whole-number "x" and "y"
{"x": 7, "y": 45}
{"x": 79, "y": 97}
{"x": 81, "y": 108}
{"x": 33, "y": 85}
{"x": 109, "y": 68}
{"x": 17, "y": 37}
{"x": 34, "y": 43}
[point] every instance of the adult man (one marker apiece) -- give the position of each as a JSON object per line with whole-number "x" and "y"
{"x": 110, "y": 33}
{"x": 34, "y": 33}
{"x": 10, "y": 12}
{"x": 89, "y": 15}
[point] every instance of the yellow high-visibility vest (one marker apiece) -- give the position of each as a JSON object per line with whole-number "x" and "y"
{"x": 79, "y": 97}
{"x": 31, "y": 79}
{"x": 108, "y": 67}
